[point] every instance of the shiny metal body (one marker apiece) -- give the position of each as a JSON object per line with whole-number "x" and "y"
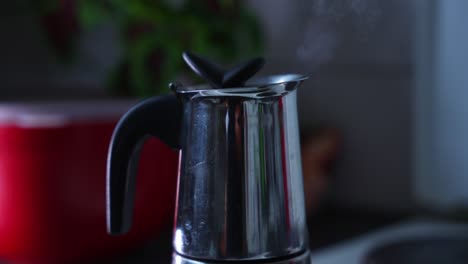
{"x": 240, "y": 190}
{"x": 303, "y": 258}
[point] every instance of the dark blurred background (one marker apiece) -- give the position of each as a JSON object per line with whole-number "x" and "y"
{"x": 383, "y": 116}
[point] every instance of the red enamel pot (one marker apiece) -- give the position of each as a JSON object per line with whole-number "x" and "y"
{"x": 52, "y": 183}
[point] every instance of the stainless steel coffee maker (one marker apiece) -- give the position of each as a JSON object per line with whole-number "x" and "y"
{"x": 240, "y": 191}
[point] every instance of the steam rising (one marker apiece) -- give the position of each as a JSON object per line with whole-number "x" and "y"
{"x": 322, "y": 21}
{"x": 318, "y": 45}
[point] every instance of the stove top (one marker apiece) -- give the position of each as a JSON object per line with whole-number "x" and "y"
{"x": 431, "y": 250}
{"x": 416, "y": 241}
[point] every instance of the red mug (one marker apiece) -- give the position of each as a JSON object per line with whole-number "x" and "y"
{"x": 52, "y": 183}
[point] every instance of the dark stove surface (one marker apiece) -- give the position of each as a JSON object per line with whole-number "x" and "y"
{"x": 431, "y": 250}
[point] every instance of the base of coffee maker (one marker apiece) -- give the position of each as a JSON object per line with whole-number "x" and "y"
{"x": 303, "y": 258}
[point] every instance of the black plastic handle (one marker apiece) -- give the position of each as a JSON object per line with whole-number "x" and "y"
{"x": 160, "y": 117}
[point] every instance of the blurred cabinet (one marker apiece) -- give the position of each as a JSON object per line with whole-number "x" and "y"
{"x": 441, "y": 111}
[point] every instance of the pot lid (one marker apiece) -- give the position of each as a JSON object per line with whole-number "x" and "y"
{"x": 54, "y": 113}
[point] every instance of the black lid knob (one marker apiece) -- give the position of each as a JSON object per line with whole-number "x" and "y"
{"x": 219, "y": 78}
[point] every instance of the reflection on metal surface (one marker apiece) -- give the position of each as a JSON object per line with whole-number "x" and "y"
{"x": 254, "y": 86}
{"x": 300, "y": 259}
{"x": 240, "y": 194}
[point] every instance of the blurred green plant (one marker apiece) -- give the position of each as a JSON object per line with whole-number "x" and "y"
{"x": 154, "y": 33}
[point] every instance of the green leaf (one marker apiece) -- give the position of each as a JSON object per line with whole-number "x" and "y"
{"x": 91, "y": 13}
{"x": 251, "y": 34}
{"x": 142, "y": 80}
{"x": 150, "y": 11}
